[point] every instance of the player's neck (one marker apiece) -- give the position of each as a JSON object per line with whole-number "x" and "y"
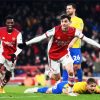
{"x": 73, "y": 15}
{"x": 65, "y": 30}
{"x": 9, "y": 31}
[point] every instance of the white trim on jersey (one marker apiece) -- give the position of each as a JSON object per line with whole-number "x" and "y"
{"x": 19, "y": 40}
{"x": 1, "y": 47}
{"x": 48, "y": 48}
{"x": 51, "y": 32}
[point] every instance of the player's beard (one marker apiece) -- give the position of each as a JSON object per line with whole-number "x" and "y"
{"x": 70, "y": 13}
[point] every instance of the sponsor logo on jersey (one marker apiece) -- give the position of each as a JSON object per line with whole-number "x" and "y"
{"x": 8, "y": 43}
{"x": 3, "y": 38}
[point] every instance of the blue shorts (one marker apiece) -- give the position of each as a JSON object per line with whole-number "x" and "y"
{"x": 58, "y": 88}
{"x": 76, "y": 55}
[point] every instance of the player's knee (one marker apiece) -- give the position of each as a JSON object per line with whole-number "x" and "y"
{"x": 77, "y": 66}
{"x": 56, "y": 77}
{"x": 71, "y": 73}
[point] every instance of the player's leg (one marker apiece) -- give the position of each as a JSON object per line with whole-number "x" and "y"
{"x": 78, "y": 71}
{"x": 59, "y": 87}
{"x": 64, "y": 75}
{"x": 77, "y": 57}
{"x": 54, "y": 70}
{"x": 6, "y": 78}
{"x": 36, "y": 90}
{"x": 9, "y": 67}
{"x": 67, "y": 63}
{"x": 2, "y": 61}
{"x": 42, "y": 89}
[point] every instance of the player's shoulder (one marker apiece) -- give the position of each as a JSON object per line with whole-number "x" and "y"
{"x": 2, "y": 28}
{"x": 17, "y": 31}
{"x": 71, "y": 29}
{"x": 78, "y": 19}
{"x": 57, "y": 28}
{"x": 81, "y": 83}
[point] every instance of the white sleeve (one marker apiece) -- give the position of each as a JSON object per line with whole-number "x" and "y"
{"x": 19, "y": 40}
{"x": 37, "y": 39}
{"x": 50, "y": 33}
{"x": 90, "y": 41}
{"x": 79, "y": 34}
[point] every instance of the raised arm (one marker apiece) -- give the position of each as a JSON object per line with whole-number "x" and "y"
{"x": 80, "y": 35}
{"x": 36, "y": 39}
{"x": 90, "y": 41}
{"x": 49, "y": 33}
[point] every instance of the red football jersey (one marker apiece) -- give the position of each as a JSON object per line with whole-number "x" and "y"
{"x": 8, "y": 42}
{"x": 58, "y": 44}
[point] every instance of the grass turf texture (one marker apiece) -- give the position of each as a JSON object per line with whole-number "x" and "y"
{"x": 16, "y": 93}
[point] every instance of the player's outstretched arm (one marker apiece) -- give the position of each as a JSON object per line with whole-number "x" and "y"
{"x": 80, "y": 35}
{"x": 32, "y": 41}
{"x": 36, "y": 39}
{"x": 90, "y": 41}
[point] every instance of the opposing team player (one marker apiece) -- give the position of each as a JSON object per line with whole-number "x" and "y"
{"x": 75, "y": 45}
{"x": 84, "y": 87}
{"x": 9, "y": 37}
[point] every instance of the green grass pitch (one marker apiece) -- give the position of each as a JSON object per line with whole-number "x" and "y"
{"x": 16, "y": 93}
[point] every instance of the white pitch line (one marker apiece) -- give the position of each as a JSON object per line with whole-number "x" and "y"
{"x": 20, "y": 97}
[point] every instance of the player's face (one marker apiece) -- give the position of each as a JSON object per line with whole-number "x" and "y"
{"x": 10, "y": 24}
{"x": 64, "y": 24}
{"x": 91, "y": 87}
{"x": 70, "y": 10}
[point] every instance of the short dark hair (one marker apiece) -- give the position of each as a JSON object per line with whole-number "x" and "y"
{"x": 91, "y": 80}
{"x": 9, "y": 17}
{"x": 62, "y": 16}
{"x": 72, "y": 4}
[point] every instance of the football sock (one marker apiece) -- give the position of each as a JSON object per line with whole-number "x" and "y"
{"x": 79, "y": 74}
{"x": 64, "y": 75}
{"x": 42, "y": 90}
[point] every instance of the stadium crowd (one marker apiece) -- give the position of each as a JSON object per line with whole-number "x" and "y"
{"x": 34, "y": 17}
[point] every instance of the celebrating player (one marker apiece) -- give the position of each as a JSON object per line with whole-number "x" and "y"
{"x": 9, "y": 37}
{"x": 58, "y": 51}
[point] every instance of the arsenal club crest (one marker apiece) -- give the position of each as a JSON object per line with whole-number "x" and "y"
{"x": 13, "y": 38}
